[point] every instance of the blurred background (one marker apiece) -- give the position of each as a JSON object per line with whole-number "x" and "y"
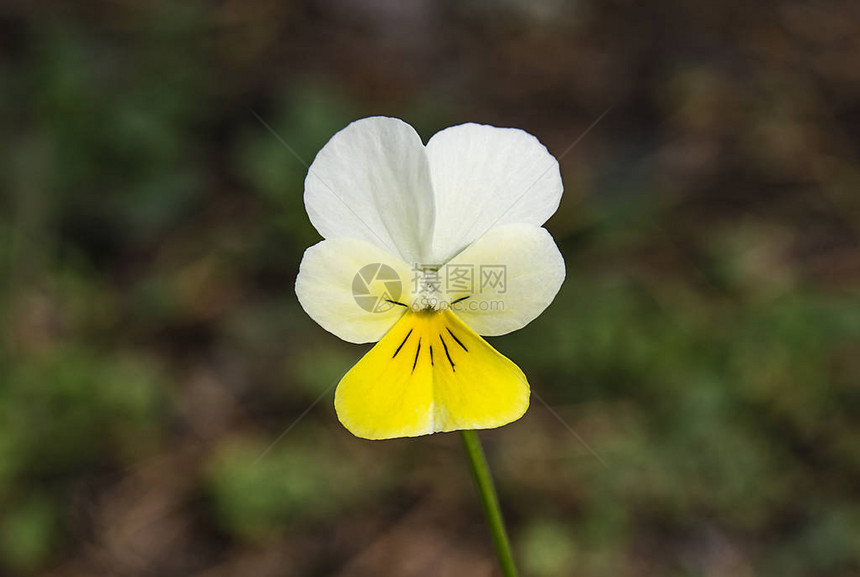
{"x": 706, "y": 343}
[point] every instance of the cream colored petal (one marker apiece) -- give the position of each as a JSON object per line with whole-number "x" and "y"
{"x": 516, "y": 269}
{"x": 348, "y": 286}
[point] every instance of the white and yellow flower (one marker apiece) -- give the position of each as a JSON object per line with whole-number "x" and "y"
{"x": 406, "y": 228}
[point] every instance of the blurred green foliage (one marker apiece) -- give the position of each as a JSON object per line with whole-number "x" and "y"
{"x": 258, "y": 491}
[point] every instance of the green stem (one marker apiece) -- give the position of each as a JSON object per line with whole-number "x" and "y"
{"x": 490, "y": 501}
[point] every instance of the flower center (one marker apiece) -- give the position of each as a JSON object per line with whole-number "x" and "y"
{"x": 427, "y": 289}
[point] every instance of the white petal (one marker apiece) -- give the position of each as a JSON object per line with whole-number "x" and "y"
{"x": 517, "y": 272}
{"x": 485, "y": 176}
{"x": 343, "y": 285}
{"x": 371, "y": 181}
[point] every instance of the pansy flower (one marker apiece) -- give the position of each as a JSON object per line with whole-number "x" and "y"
{"x": 426, "y": 248}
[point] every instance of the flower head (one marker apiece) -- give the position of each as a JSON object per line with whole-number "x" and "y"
{"x": 426, "y": 248}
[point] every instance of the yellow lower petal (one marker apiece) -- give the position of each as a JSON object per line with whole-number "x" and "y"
{"x": 430, "y": 373}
